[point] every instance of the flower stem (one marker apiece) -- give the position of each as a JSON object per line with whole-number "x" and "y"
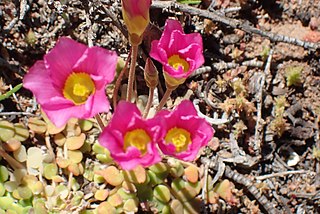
{"x": 11, "y": 161}
{"x": 132, "y": 71}
{"x": 164, "y": 98}
{"x": 118, "y": 82}
{"x": 99, "y": 121}
{"x": 149, "y": 103}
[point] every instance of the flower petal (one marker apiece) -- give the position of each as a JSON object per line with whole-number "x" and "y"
{"x": 39, "y": 82}
{"x": 99, "y": 62}
{"x": 170, "y": 26}
{"x": 61, "y": 59}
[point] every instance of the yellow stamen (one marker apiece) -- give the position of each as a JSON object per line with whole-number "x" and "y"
{"x": 175, "y": 61}
{"x": 78, "y": 87}
{"x": 138, "y": 138}
{"x": 178, "y": 137}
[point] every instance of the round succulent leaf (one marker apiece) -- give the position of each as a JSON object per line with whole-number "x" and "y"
{"x": 73, "y": 128}
{"x": 75, "y": 142}
{"x": 225, "y": 190}
{"x": 11, "y": 145}
{"x": 37, "y": 125}
{"x": 159, "y": 168}
{"x": 21, "y": 133}
{"x": 98, "y": 179}
{"x": 137, "y": 176}
{"x": 98, "y": 149}
{"x": 4, "y": 174}
{"x": 115, "y": 200}
{"x": 166, "y": 210}
{"x": 186, "y": 193}
{"x": 86, "y": 147}
{"x": 85, "y": 125}
{"x": 7, "y": 130}
{"x": 75, "y": 156}
{"x": 2, "y": 189}
{"x": 101, "y": 194}
{"x": 112, "y": 175}
{"x": 10, "y": 186}
{"x": 191, "y": 173}
{"x": 177, "y": 170}
{"x": 50, "y": 170}
{"x": 212, "y": 197}
{"x": 20, "y": 154}
{"x": 24, "y": 192}
{"x": 193, "y": 206}
{"x": 5, "y": 202}
{"x": 104, "y": 158}
{"x": 196, "y": 186}
{"x": 52, "y": 129}
{"x": 125, "y": 195}
{"x": 176, "y": 207}
{"x": 74, "y": 169}
{"x": 76, "y": 200}
{"x": 36, "y": 188}
{"x": 129, "y": 187}
{"x": 49, "y": 190}
{"x": 130, "y": 205}
{"x": 59, "y": 139}
{"x": 106, "y": 208}
{"x": 18, "y": 174}
{"x": 63, "y": 163}
{"x": 39, "y": 207}
{"x": 177, "y": 184}
{"x": 162, "y": 193}
{"x": 34, "y": 157}
{"x": 154, "y": 179}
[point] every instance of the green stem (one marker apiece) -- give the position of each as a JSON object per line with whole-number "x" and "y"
{"x": 118, "y": 82}
{"x": 132, "y": 71}
{"x": 164, "y": 99}
{"x": 149, "y": 103}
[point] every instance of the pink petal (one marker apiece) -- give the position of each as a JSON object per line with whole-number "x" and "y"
{"x": 170, "y": 26}
{"x": 158, "y": 53}
{"x": 38, "y": 81}
{"x": 61, "y": 59}
{"x": 124, "y": 114}
{"x": 99, "y": 62}
{"x": 99, "y": 103}
{"x": 179, "y": 41}
{"x": 136, "y": 7}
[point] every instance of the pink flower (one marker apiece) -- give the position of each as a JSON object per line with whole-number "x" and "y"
{"x": 136, "y": 17}
{"x": 70, "y": 81}
{"x": 179, "y": 53}
{"x": 131, "y": 139}
{"x": 186, "y": 132}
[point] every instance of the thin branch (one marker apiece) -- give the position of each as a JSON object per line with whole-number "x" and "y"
{"x": 240, "y": 179}
{"x": 216, "y": 16}
{"x": 280, "y": 174}
{"x": 259, "y": 96}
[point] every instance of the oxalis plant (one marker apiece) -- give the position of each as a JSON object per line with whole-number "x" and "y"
{"x": 146, "y": 161}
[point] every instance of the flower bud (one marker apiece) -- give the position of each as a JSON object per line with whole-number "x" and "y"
{"x": 136, "y": 17}
{"x": 150, "y": 74}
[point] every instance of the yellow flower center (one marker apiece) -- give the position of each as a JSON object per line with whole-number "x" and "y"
{"x": 138, "y": 138}
{"x": 175, "y": 61}
{"x": 78, "y": 87}
{"x": 178, "y": 137}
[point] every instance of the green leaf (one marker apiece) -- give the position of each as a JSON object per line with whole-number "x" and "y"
{"x": 9, "y": 93}
{"x": 189, "y": 1}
